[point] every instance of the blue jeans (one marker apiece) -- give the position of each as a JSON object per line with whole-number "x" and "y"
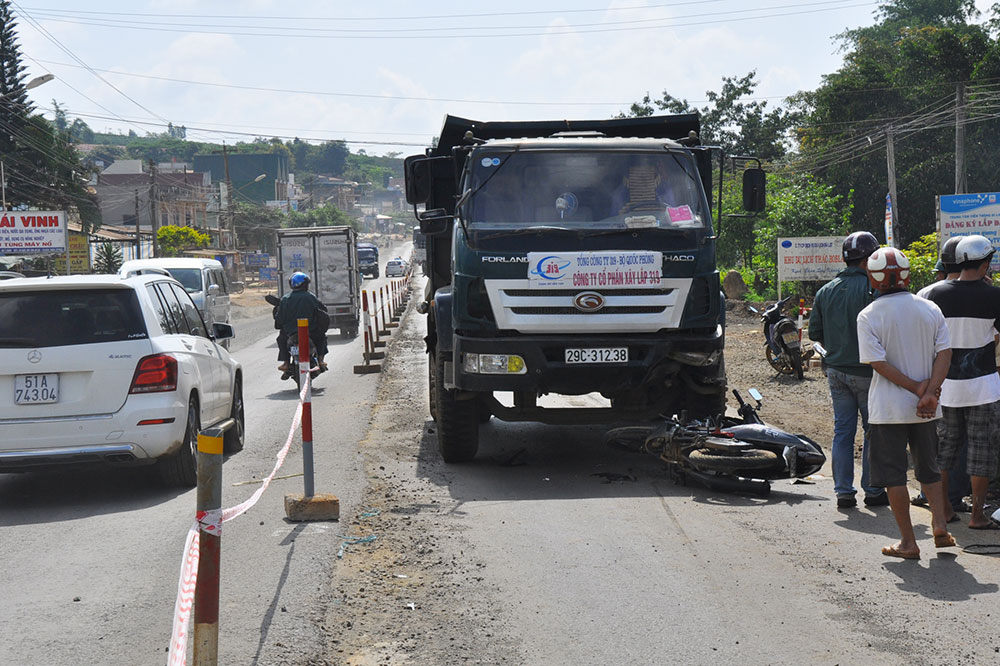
{"x": 850, "y": 396}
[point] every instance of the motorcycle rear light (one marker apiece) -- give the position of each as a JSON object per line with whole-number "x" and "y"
{"x": 155, "y": 374}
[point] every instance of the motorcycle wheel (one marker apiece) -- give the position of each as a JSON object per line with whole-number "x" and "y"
{"x": 796, "y": 356}
{"x": 724, "y": 461}
{"x": 777, "y": 362}
{"x": 628, "y": 438}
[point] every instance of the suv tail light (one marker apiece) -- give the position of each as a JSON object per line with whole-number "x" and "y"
{"x": 155, "y": 374}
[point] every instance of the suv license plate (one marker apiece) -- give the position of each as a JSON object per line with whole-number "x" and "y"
{"x": 602, "y": 355}
{"x": 36, "y": 389}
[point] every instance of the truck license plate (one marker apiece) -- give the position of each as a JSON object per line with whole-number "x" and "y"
{"x": 602, "y": 355}
{"x": 36, "y": 389}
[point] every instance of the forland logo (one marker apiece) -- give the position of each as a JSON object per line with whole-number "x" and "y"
{"x": 551, "y": 267}
{"x": 495, "y": 259}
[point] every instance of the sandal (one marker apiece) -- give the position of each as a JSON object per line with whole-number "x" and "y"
{"x": 894, "y": 551}
{"x": 945, "y": 540}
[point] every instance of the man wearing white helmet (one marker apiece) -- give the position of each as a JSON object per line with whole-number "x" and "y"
{"x": 970, "y": 395}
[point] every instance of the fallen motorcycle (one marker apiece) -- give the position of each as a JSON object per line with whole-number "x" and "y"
{"x": 741, "y": 454}
{"x": 782, "y": 343}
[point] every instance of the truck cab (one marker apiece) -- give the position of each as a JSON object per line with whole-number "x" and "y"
{"x": 569, "y": 260}
{"x": 368, "y": 259}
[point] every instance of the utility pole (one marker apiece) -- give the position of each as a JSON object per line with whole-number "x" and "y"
{"x": 138, "y": 247}
{"x": 891, "y": 160}
{"x": 229, "y": 196}
{"x": 960, "y": 180}
{"x": 3, "y": 185}
{"x": 153, "y": 213}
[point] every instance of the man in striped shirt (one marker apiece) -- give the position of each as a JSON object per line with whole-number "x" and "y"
{"x": 970, "y": 396}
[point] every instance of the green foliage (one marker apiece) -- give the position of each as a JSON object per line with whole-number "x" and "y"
{"x": 107, "y": 258}
{"x": 173, "y": 240}
{"x": 739, "y": 125}
{"x": 255, "y": 226}
{"x": 321, "y": 216}
{"x": 923, "y": 255}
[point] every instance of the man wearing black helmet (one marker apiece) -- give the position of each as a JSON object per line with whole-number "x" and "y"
{"x": 970, "y": 396}
{"x": 300, "y": 303}
{"x": 958, "y": 481}
{"x": 833, "y": 323}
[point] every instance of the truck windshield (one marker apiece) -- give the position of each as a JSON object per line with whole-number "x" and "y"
{"x": 585, "y": 190}
{"x": 366, "y": 254}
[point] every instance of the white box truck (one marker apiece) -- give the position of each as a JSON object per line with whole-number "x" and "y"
{"x": 329, "y": 256}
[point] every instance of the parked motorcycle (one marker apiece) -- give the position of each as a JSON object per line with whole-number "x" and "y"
{"x": 293, "y": 350}
{"x": 782, "y": 347}
{"x": 741, "y": 454}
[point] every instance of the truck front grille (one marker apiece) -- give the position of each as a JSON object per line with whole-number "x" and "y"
{"x": 517, "y": 307}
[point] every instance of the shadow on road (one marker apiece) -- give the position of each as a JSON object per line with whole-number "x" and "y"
{"x": 265, "y": 624}
{"x": 527, "y": 461}
{"x": 33, "y": 498}
{"x": 943, "y": 579}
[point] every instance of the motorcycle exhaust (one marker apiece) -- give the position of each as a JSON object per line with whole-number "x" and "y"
{"x": 731, "y": 484}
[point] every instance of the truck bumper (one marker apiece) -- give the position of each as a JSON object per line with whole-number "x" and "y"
{"x": 651, "y": 358}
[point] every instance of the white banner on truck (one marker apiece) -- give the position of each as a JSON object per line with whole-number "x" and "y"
{"x": 967, "y": 214}
{"x": 593, "y": 270}
{"x": 23, "y": 232}
{"x": 810, "y": 259}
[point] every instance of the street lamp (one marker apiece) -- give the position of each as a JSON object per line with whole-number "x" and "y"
{"x": 33, "y": 83}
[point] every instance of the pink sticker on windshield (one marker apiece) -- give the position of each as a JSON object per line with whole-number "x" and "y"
{"x": 680, "y": 214}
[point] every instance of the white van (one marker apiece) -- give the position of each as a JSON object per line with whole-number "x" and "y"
{"x": 204, "y": 279}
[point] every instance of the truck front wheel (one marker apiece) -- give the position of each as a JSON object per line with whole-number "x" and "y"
{"x": 457, "y": 420}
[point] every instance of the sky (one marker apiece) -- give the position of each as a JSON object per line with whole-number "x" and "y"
{"x": 382, "y": 74}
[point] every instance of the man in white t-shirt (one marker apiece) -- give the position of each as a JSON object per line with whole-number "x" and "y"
{"x": 905, "y": 340}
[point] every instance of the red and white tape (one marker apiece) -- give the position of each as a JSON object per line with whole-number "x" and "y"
{"x": 212, "y": 520}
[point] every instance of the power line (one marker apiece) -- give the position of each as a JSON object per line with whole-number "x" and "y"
{"x": 551, "y": 30}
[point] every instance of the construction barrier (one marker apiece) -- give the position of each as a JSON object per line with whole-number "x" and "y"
{"x": 367, "y": 367}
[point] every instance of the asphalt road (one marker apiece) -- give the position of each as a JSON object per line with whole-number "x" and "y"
{"x": 91, "y": 557}
{"x": 548, "y": 549}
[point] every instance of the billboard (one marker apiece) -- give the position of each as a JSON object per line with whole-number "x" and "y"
{"x": 810, "y": 259}
{"x": 967, "y": 214}
{"x": 34, "y": 231}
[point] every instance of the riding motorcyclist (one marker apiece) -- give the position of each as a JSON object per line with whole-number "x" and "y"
{"x": 300, "y": 303}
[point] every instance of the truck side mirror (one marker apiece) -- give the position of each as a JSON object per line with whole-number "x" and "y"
{"x": 418, "y": 179}
{"x": 754, "y": 184}
{"x": 435, "y": 221}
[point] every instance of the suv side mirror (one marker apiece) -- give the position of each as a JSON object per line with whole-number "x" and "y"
{"x": 754, "y": 184}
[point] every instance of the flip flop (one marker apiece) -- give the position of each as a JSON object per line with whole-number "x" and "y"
{"x": 954, "y": 518}
{"x": 992, "y": 525}
{"x": 893, "y": 551}
{"x": 944, "y": 540}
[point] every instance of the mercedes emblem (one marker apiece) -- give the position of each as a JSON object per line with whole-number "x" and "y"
{"x": 34, "y": 356}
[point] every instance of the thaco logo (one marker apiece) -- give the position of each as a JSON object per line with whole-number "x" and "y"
{"x": 588, "y": 301}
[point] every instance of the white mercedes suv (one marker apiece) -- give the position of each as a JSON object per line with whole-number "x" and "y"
{"x": 99, "y": 368}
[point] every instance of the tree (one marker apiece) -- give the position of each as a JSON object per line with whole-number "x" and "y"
{"x": 107, "y": 258}
{"x": 173, "y": 239}
{"x": 255, "y": 226}
{"x": 740, "y": 126}
{"x": 321, "y": 216}
{"x": 41, "y": 167}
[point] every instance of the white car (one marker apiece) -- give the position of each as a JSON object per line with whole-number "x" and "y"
{"x": 396, "y": 267}
{"x": 100, "y": 368}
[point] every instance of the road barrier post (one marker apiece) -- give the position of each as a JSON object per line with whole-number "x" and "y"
{"x": 209, "y": 519}
{"x": 388, "y": 324}
{"x": 308, "y": 505}
{"x": 367, "y": 367}
{"x": 378, "y": 342}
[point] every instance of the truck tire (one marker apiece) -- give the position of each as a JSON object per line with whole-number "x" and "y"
{"x": 483, "y": 410}
{"x": 431, "y": 386}
{"x": 457, "y": 420}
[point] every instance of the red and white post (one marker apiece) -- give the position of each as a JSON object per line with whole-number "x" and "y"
{"x": 307, "y": 434}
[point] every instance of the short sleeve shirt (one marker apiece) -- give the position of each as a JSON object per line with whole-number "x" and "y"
{"x": 907, "y": 333}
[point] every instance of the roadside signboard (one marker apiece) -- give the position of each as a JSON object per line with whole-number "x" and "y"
{"x": 967, "y": 214}
{"x": 79, "y": 254}
{"x": 256, "y": 260}
{"x": 810, "y": 259}
{"x": 267, "y": 274}
{"x": 34, "y": 231}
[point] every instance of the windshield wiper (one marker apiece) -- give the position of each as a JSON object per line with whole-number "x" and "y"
{"x": 523, "y": 231}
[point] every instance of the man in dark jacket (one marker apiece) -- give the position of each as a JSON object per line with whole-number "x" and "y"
{"x": 300, "y": 303}
{"x": 833, "y": 323}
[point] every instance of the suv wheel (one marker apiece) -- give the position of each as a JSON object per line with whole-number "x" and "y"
{"x": 180, "y": 468}
{"x": 232, "y": 441}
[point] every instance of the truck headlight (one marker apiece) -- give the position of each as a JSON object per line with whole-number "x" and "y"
{"x": 494, "y": 364}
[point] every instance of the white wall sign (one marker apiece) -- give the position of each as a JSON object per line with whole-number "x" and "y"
{"x": 810, "y": 259}
{"x": 23, "y": 232}
{"x": 967, "y": 214}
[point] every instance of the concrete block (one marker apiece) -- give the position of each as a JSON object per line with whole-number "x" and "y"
{"x": 367, "y": 369}
{"x": 322, "y": 506}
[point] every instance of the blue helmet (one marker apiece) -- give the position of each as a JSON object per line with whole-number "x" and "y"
{"x": 299, "y": 280}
